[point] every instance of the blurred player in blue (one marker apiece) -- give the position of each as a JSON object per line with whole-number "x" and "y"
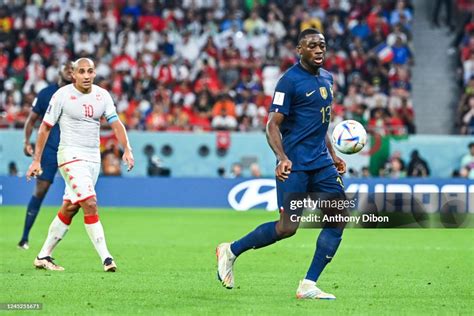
{"x": 306, "y": 161}
{"x": 49, "y": 161}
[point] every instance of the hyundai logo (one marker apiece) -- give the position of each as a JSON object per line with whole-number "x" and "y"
{"x": 250, "y": 195}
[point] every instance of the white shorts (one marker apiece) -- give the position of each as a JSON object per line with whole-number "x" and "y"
{"x": 80, "y": 177}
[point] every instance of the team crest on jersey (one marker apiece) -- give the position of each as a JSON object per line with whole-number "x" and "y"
{"x": 98, "y": 97}
{"x": 324, "y": 92}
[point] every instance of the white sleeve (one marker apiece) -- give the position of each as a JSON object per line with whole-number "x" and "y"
{"x": 54, "y": 110}
{"x": 110, "y": 111}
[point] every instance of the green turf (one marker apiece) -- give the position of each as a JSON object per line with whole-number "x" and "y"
{"x": 166, "y": 261}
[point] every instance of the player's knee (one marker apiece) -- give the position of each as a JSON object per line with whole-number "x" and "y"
{"x": 69, "y": 210}
{"x": 90, "y": 206}
{"x": 72, "y": 210}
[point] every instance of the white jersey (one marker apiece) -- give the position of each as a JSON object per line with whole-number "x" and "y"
{"x": 79, "y": 116}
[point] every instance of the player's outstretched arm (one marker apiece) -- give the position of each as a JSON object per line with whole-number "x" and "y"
{"x": 121, "y": 134}
{"x": 273, "y": 133}
{"x": 35, "y": 167}
{"x": 28, "y": 130}
{"x": 338, "y": 162}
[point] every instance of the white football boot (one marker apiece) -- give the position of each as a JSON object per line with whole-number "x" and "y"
{"x": 47, "y": 263}
{"x": 307, "y": 290}
{"x": 225, "y": 264}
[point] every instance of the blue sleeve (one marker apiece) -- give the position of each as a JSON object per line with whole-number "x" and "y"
{"x": 41, "y": 103}
{"x": 283, "y": 96}
{"x": 330, "y": 78}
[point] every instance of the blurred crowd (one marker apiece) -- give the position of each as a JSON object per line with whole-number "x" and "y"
{"x": 199, "y": 65}
{"x": 464, "y": 44}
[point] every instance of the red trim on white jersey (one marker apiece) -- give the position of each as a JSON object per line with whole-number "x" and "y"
{"x": 66, "y": 163}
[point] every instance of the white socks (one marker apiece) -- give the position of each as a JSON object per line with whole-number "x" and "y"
{"x": 57, "y": 231}
{"x": 96, "y": 234}
{"x": 59, "y": 228}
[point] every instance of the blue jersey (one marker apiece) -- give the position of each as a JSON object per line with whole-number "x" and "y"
{"x": 40, "y": 105}
{"x": 305, "y": 100}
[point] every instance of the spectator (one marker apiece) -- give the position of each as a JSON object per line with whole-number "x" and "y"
{"x": 236, "y": 170}
{"x": 12, "y": 169}
{"x": 467, "y": 120}
{"x": 401, "y": 52}
{"x": 255, "y": 170}
{"x": 377, "y": 122}
{"x": 407, "y": 116}
{"x": 437, "y": 9}
{"x": 394, "y": 124}
{"x": 254, "y": 23}
{"x": 35, "y": 74}
{"x": 365, "y": 173}
{"x": 225, "y": 102}
{"x": 396, "y": 169}
{"x": 224, "y": 121}
{"x": 230, "y": 63}
{"x": 84, "y": 46}
{"x": 467, "y": 162}
{"x": 275, "y": 27}
{"x": 157, "y": 120}
{"x": 418, "y": 167}
{"x": 397, "y": 34}
{"x": 464, "y": 173}
{"x": 401, "y": 12}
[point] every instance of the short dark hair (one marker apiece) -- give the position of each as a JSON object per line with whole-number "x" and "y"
{"x": 305, "y": 32}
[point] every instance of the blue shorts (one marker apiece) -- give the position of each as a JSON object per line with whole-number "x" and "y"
{"x": 50, "y": 167}
{"x": 324, "y": 180}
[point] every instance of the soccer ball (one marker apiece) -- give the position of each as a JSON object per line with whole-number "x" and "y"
{"x": 349, "y": 137}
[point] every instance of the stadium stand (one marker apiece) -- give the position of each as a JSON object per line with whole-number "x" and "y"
{"x": 210, "y": 65}
{"x": 464, "y": 45}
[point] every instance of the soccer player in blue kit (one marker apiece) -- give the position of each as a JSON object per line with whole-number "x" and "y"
{"x": 306, "y": 161}
{"x": 49, "y": 162}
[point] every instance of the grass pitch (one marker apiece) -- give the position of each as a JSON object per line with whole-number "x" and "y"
{"x": 166, "y": 262}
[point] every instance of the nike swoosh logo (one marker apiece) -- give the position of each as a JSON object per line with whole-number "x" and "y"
{"x": 308, "y": 94}
{"x": 327, "y": 257}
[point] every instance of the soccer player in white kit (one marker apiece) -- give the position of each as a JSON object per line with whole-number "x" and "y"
{"x": 78, "y": 108}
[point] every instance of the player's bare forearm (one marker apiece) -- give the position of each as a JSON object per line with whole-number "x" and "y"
{"x": 43, "y": 134}
{"x": 274, "y": 135}
{"x": 121, "y": 134}
{"x": 28, "y": 130}
{"x": 330, "y": 147}
{"x": 283, "y": 169}
{"x": 338, "y": 162}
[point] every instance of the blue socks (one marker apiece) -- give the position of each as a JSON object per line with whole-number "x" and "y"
{"x": 265, "y": 234}
{"x": 326, "y": 247}
{"x": 262, "y": 236}
{"x": 31, "y": 213}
